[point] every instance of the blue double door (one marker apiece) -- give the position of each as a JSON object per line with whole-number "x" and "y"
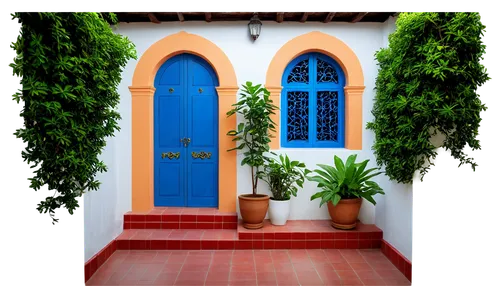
{"x": 186, "y": 133}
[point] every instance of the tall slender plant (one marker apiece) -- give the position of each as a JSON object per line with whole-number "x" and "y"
{"x": 70, "y": 65}
{"x": 427, "y": 83}
{"x": 253, "y": 135}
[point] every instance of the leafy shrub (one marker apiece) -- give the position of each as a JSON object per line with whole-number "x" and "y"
{"x": 427, "y": 85}
{"x": 70, "y": 66}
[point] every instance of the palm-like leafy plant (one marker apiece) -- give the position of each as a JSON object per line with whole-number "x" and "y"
{"x": 283, "y": 176}
{"x": 345, "y": 181}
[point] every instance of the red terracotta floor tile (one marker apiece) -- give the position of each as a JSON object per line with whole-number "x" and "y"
{"x": 373, "y": 282}
{"x": 264, "y": 267}
{"x": 326, "y": 267}
{"x": 242, "y": 283}
{"x": 347, "y": 274}
{"x": 142, "y": 234}
{"x": 342, "y": 266}
{"x": 351, "y": 282}
{"x": 360, "y": 266}
{"x": 390, "y": 274}
{"x": 266, "y": 278}
{"x": 145, "y": 271}
{"x": 303, "y": 266}
{"x": 247, "y": 267}
{"x": 191, "y": 278}
{"x": 216, "y": 278}
{"x": 127, "y": 234}
{"x": 161, "y": 257}
{"x": 283, "y": 267}
{"x": 287, "y": 279}
{"x": 367, "y": 274}
{"x": 352, "y": 256}
{"x": 334, "y": 256}
{"x": 220, "y": 267}
{"x": 166, "y": 279}
{"x": 308, "y": 277}
{"x": 242, "y": 277}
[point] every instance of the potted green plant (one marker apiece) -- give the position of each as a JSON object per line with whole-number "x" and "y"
{"x": 253, "y": 135}
{"x": 343, "y": 187}
{"x": 283, "y": 177}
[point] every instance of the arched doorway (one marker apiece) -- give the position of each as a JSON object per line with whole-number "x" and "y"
{"x": 186, "y": 133}
{"x": 143, "y": 91}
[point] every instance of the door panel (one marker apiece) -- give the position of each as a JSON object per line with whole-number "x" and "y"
{"x": 203, "y": 131}
{"x": 186, "y": 106}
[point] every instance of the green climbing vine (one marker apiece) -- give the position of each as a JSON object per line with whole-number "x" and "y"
{"x": 70, "y": 65}
{"x": 427, "y": 85}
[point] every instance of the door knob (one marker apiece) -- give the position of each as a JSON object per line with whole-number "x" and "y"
{"x": 186, "y": 141}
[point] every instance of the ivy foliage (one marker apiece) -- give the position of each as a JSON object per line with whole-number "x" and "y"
{"x": 70, "y": 65}
{"x": 427, "y": 85}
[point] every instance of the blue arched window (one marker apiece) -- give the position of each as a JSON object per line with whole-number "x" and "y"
{"x": 312, "y": 103}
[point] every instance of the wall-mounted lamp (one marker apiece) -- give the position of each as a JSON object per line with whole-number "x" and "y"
{"x": 254, "y": 26}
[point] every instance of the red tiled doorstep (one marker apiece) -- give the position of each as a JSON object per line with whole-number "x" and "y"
{"x": 316, "y": 234}
{"x": 190, "y": 239}
{"x": 192, "y": 228}
{"x": 181, "y": 218}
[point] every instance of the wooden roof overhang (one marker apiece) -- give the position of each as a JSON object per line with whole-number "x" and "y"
{"x": 279, "y": 17}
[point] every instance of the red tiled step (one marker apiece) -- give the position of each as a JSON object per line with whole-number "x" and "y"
{"x": 181, "y": 218}
{"x": 175, "y": 239}
{"x": 296, "y": 235}
{"x": 314, "y": 234}
{"x": 310, "y": 230}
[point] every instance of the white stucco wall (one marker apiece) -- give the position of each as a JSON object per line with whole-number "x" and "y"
{"x": 104, "y": 209}
{"x": 394, "y": 211}
{"x": 250, "y": 61}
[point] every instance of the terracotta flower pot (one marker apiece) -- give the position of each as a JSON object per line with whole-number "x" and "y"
{"x": 253, "y": 209}
{"x": 345, "y": 214}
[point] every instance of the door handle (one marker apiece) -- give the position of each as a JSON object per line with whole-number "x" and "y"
{"x": 202, "y": 155}
{"x": 186, "y": 141}
{"x": 170, "y": 155}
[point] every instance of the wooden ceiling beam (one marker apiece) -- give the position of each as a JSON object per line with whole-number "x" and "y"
{"x": 280, "y": 16}
{"x": 208, "y": 17}
{"x": 126, "y": 16}
{"x": 304, "y": 17}
{"x": 180, "y": 16}
{"x": 358, "y": 17}
{"x": 152, "y": 18}
{"x": 329, "y": 17}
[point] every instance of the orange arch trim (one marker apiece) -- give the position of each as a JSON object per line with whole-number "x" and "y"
{"x": 143, "y": 90}
{"x": 347, "y": 59}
